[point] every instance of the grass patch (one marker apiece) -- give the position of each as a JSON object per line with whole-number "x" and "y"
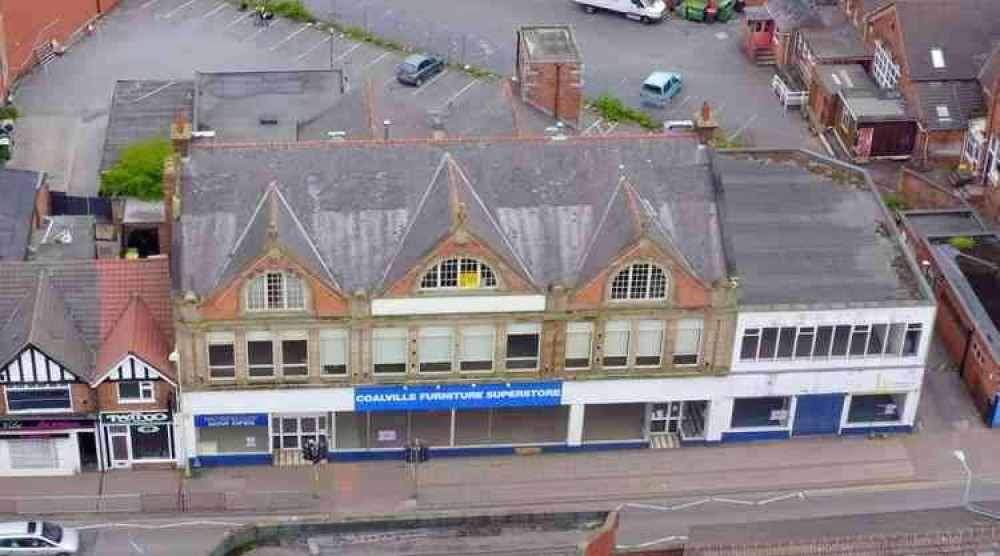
{"x": 894, "y": 201}
{"x": 9, "y": 112}
{"x": 292, "y": 9}
{"x": 963, "y": 243}
{"x": 614, "y": 110}
{"x": 722, "y": 140}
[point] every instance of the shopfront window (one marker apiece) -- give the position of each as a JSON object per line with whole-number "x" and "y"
{"x": 760, "y": 412}
{"x": 290, "y": 432}
{"x": 522, "y": 346}
{"x": 876, "y": 408}
{"x": 151, "y": 442}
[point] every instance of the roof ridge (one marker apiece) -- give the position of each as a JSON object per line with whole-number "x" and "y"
{"x": 600, "y": 225}
{"x": 305, "y": 234}
{"x": 239, "y": 239}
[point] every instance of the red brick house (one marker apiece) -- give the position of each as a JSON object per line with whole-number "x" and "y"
{"x": 981, "y": 151}
{"x": 29, "y": 31}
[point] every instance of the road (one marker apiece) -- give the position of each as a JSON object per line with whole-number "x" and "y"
{"x": 617, "y": 53}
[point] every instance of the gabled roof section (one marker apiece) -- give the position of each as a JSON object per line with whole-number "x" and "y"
{"x": 136, "y": 332}
{"x": 42, "y": 320}
{"x": 964, "y": 34}
{"x": 652, "y": 228}
{"x": 274, "y": 224}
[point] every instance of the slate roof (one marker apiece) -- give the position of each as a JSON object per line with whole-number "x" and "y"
{"x": 136, "y": 332}
{"x": 790, "y": 15}
{"x": 86, "y": 296}
{"x": 18, "y": 188}
{"x": 143, "y": 109}
{"x": 359, "y": 202}
{"x": 798, "y": 236}
{"x": 965, "y": 32}
{"x": 960, "y": 100}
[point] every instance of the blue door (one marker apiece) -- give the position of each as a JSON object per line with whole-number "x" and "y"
{"x": 818, "y": 414}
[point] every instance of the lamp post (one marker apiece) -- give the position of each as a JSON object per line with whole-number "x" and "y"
{"x": 960, "y": 456}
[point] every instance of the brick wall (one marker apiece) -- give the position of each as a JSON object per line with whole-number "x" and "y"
{"x": 920, "y": 192}
{"x": 553, "y": 88}
{"x": 107, "y": 396}
{"x": 603, "y": 541}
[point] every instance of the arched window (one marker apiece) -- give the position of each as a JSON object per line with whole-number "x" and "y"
{"x": 459, "y": 273}
{"x": 639, "y": 281}
{"x": 276, "y": 291}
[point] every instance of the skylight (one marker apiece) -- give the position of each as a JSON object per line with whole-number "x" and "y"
{"x": 943, "y": 113}
{"x": 937, "y": 58}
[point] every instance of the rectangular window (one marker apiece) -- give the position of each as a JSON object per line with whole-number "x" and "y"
{"x": 760, "y": 412}
{"x": 260, "y": 355}
{"x": 616, "y": 343}
{"x": 131, "y": 391}
{"x": 257, "y": 295}
{"x": 294, "y": 354}
{"x": 751, "y": 341}
{"x": 877, "y": 340}
{"x": 649, "y": 349}
{"x": 859, "y": 340}
{"x": 221, "y": 355}
{"x": 824, "y": 339}
{"x": 841, "y": 339}
{"x": 804, "y": 341}
{"x": 333, "y": 352}
{"x": 786, "y": 342}
{"x": 275, "y": 291}
{"x": 435, "y": 349}
{"x": 522, "y": 346}
{"x": 768, "y": 343}
{"x": 911, "y": 342}
{"x": 389, "y": 350}
{"x": 687, "y": 346}
{"x": 876, "y": 408}
{"x": 895, "y": 341}
{"x": 477, "y": 348}
{"x": 579, "y": 340}
{"x": 884, "y": 69}
{"x": 39, "y": 398}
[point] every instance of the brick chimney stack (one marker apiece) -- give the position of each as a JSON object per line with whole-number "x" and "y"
{"x": 180, "y": 138}
{"x": 549, "y": 71}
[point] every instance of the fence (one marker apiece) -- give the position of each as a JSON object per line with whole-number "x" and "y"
{"x": 200, "y": 501}
{"x": 63, "y": 204}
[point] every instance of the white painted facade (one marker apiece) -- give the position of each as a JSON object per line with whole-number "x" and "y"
{"x": 64, "y": 449}
{"x": 456, "y": 305}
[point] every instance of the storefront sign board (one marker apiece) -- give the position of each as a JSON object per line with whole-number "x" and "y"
{"x": 457, "y": 396}
{"x": 234, "y": 420}
{"x": 136, "y": 418}
{"x": 27, "y": 425}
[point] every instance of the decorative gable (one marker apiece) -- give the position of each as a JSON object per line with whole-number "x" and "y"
{"x": 133, "y": 368}
{"x": 33, "y": 366}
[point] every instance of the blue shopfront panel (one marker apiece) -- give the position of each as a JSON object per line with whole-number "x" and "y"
{"x": 457, "y": 396}
{"x": 818, "y": 414}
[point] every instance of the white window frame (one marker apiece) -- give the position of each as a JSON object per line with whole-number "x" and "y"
{"x": 258, "y": 293}
{"x": 647, "y": 293}
{"x": 895, "y": 335}
{"x": 328, "y": 338}
{"x": 476, "y": 332}
{"x": 645, "y": 328}
{"x": 993, "y": 171}
{"x": 393, "y": 335}
{"x": 579, "y": 331}
{"x": 884, "y": 69}
{"x": 900, "y": 410}
{"x": 280, "y": 348}
{"x": 523, "y": 329}
{"x": 435, "y": 334}
{"x": 486, "y": 278}
{"x": 23, "y": 387}
{"x": 973, "y": 150}
{"x": 261, "y": 337}
{"x": 147, "y": 392}
{"x": 695, "y": 327}
{"x": 220, "y": 339}
{"x": 614, "y": 331}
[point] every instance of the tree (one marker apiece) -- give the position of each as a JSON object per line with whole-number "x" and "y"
{"x": 139, "y": 171}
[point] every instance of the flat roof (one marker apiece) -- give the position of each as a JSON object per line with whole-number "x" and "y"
{"x": 550, "y": 43}
{"x": 835, "y": 77}
{"x": 876, "y": 105}
{"x": 974, "y": 274}
{"x": 798, "y": 234}
{"x": 943, "y": 222}
{"x": 68, "y": 238}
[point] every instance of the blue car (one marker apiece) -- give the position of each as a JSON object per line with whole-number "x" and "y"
{"x": 660, "y": 87}
{"x": 419, "y": 68}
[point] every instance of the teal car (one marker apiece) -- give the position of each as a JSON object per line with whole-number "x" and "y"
{"x": 660, "y": 87}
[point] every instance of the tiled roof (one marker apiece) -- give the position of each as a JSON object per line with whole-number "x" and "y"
{"x": 948, "y": 104}
{"x": 18, "y": 189}
{"x": 965, "y": 32}
{"x": 990, "y": 70}
{"x": 357, "y": 201}
{"x": 143, "y": 109}
{"x": 135, "y": 332}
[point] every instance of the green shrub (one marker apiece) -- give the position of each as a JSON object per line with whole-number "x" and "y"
{"x": 720, "y": 140}
{"x": 963, "y": 243}
{"x": 613, "y": 110}
{"x": 9, "y": 112}
{"x": 894, "y": 201}
{"x": 139, "y": 171}
{"x": 292, "y": 9}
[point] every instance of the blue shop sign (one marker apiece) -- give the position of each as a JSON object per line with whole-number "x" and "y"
{"x": 235, "y": 420}
{"x": 457, "y": 396}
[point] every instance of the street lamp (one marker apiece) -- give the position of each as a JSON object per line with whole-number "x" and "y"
{"x": 960, "y": 456}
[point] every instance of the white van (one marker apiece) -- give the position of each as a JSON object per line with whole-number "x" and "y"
{"x": 646, "y": 11}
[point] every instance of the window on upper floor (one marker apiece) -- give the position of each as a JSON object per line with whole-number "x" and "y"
{"x": 389, "y": 350}
{"x": 993, "y": 161}
{"x": 260, "y": 355}
{"x": 459, "y": 274}
{"x": 579, "y": 339}
{"x": 831, "y": 341}
{"x": 639, "y": 281}
{"x": 38, "y": 398}
{"x": 884, "y": 69}
{"x": 221, "y": 355}
{"x": 333, "y": 352}
{"x": 476, "y": 348}
{"x": 276, "y": 291}
{"x": 687, "y": 346}
{"x": 435, "y": 349}
{"x": 132, "y": 391}
{"x": 523, "y": 342}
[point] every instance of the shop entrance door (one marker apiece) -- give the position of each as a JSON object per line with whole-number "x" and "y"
{"x": 118, "y": 446}
{"x": 665, "y": 418}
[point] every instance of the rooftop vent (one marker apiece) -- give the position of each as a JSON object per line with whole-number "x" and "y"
{"x": 268, "y": 120}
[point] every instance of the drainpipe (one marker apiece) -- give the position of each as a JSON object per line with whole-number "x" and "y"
{"x": 555, "y": 104}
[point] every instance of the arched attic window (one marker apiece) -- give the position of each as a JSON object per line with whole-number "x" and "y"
{"x": 459, "y": 273}
{"x": 276, "y": 291}
{"x": 638, "y": 282}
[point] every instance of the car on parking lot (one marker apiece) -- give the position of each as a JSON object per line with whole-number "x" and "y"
{"x": 418, "y": 68}
{"x": 660, "y": 87}
{"x": 37, "y": 538}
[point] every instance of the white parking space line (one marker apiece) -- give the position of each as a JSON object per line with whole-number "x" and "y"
{"x": 620, "y": 83}
{"x": 345, "y": 54}
{"x": 171, "y": 13}
{"x": 429, "y": 83}
{"x": 217, "y": 9}
{"x": 743, "y": 127}
{"x": 238, "y": 19}
{"x": 149, "y": 4}
{"x": 460, "y": 92}
{"x": 291, "y": 36}
{"x": 314, "y": 47}
{"x": 375, "y": 61}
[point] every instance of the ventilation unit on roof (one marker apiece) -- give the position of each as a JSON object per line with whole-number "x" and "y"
{"x": 268, "y": 120}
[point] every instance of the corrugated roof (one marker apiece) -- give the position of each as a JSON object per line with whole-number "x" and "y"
{"x": 359, "y": 202}
{"x": 965, "y": 33}
{"x": 18, "y": 188}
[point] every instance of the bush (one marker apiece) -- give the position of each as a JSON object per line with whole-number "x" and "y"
{"x": 723, "y": 141}
{"x": 139, "y": 171}
{"x": 613, "y": 110}
{"x": 9, "y": 112}
{"x": 963, "y": 243}
{"x": 292, "y": 9}
{"x": 894, "y": 201}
